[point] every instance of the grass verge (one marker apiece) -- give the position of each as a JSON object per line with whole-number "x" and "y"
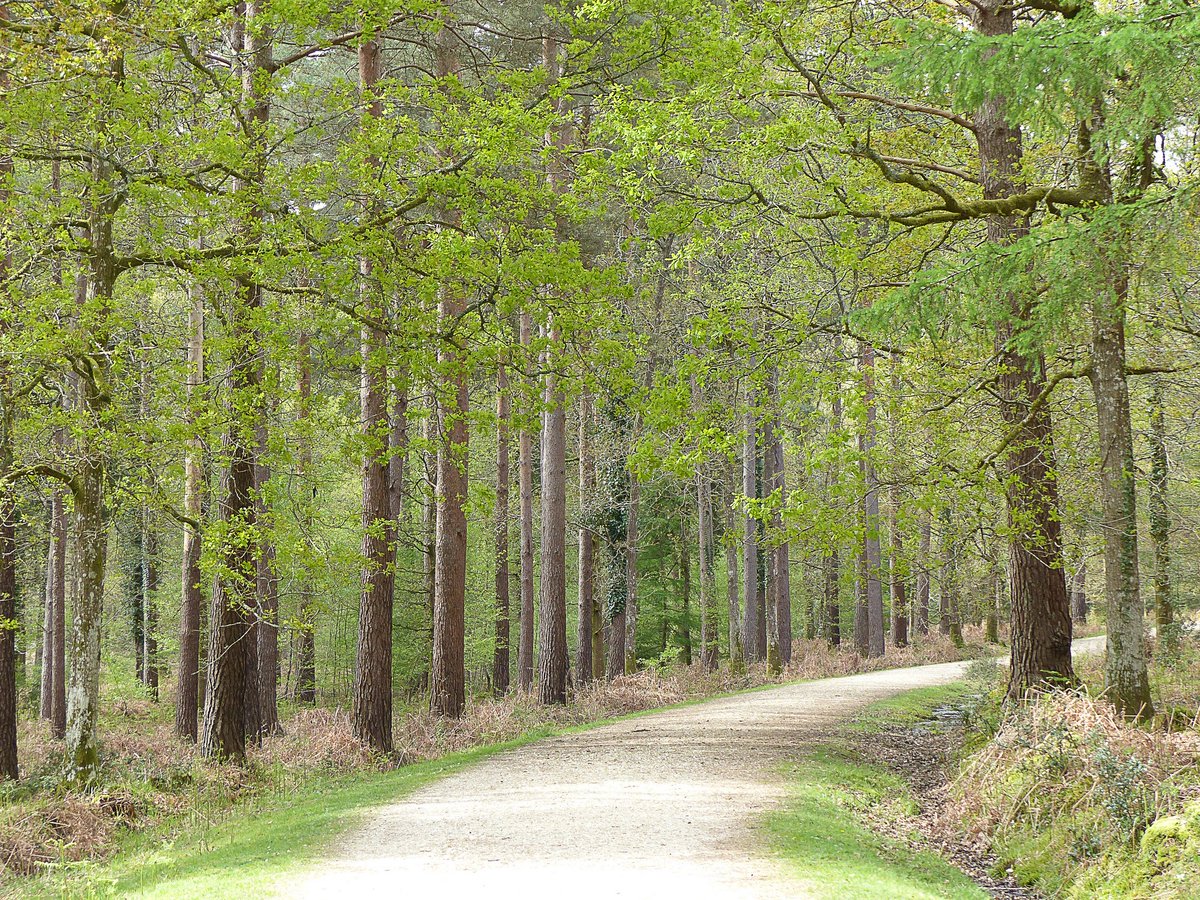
{"x": 245, "y": 854}
{"x": 824, "y": 832}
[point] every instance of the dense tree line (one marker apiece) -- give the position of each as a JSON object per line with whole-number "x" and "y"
{"x": 355, "y": 350}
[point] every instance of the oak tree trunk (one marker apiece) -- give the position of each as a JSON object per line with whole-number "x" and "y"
{"x": 1127, "y": 682}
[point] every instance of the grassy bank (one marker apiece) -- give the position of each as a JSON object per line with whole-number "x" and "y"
{"x": 829, "y": 833}
{"x": 243, "y": 854}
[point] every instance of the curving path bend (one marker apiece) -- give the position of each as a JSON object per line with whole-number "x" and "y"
{"x": 660, "y": 806}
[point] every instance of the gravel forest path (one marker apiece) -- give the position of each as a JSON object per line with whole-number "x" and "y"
{"x": 658, "y": 806}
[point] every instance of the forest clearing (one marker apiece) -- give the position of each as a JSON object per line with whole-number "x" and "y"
{"x": 410, "y": 406}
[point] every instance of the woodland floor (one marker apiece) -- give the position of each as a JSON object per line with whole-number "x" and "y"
{"x": 669, "y": 804}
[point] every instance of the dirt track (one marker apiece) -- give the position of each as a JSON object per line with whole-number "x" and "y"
{"x": 660, "y": 806}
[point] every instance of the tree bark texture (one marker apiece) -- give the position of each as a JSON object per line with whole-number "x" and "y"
{"x": 525, "y": 488}
{"x": 500, "y": 657}
{"x": 871, "y": 548}
{"x": 1160, "y": 518}
{"x": 187, "y": 684}
{"x": 750, "y": 621}
{"x": 1041, "y": 622}
{"x": 587, "y": 544}
{"x": 372, "y": 706}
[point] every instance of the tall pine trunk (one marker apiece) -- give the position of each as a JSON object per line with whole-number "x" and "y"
{"x": 187, "y": 684}
{"x": 525, "y": 479}
{"x": 306, "y": 662}
{"x": 615, "y": 487}
{"x": 737, "y": 653}
{"x": 782, "y": 550}
{"x": 447, "y": 676}
{"x": 872, "y": 554}
{"x": 552, "y": 605}
{"x": 149, "y": 604}
{"x": 750, "y": 621}
{"x": 833, "y": 563}
{"x": 631, "y": 574}
{"x": 267, "y": 592}
{"x": 587, "y": 543}
{"x": 1041, "y": 621}
{"x": 896, "y": 567}
{"x": 8, "y": 594}
{"x": 232, "y": 647}
{"x": 8, "y": 636}
{"x": 372, "y": 707}
{"x": 951, "y": 598}
{"x": 773, "y": 574}
{"x": 924, "y": 551}
{"x": 500, "y": 657}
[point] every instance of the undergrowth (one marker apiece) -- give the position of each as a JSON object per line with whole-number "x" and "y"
{"x": 1074, "y": 800}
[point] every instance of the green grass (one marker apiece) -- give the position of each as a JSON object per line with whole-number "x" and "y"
{"x": 822, "y": 837}
{"x": 822, "y": 833}
{"x": 247, "y": 852}
{"x": 913, "y": 707}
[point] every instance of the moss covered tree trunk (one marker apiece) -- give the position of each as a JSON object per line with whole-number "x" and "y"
{"x": 1126, "y": 677}
{"x": 1160, "y": 519}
